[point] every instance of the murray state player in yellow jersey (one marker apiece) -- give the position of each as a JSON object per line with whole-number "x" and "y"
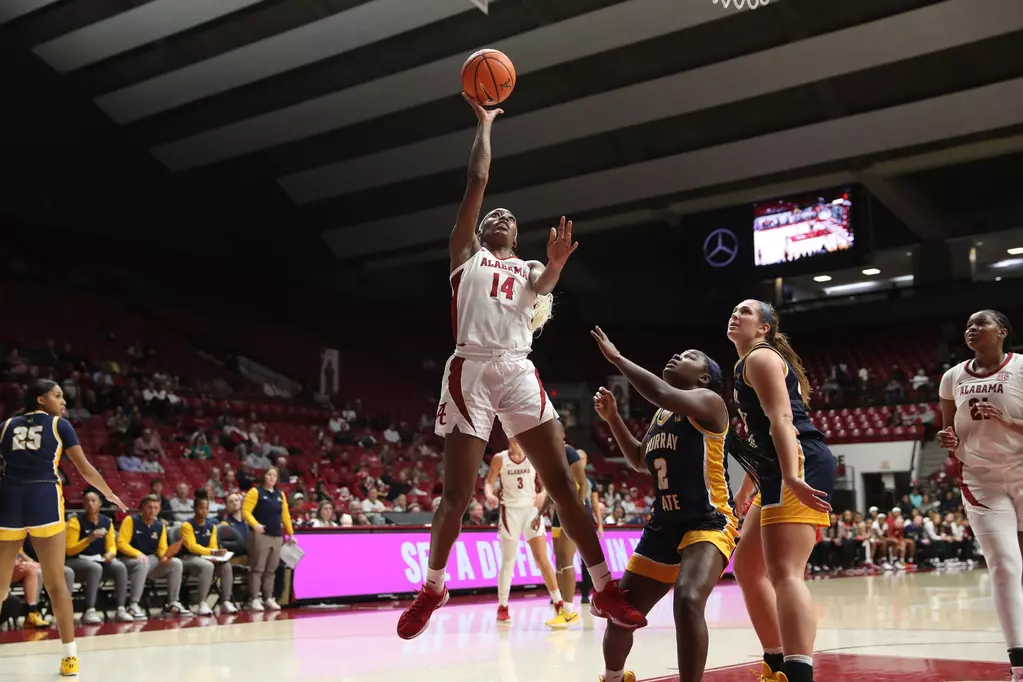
{"x": 32, "y": 502}
{"x": 982, "y": 407}
{"x": 693, "y": 523}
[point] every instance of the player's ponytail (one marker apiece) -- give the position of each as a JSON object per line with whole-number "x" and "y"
{"x": 543, "y": 311}
{"x": 781, "y": 343}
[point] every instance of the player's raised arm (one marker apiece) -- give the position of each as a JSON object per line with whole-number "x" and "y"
{"x": 701, "y": 404}
{"x": 543, "y": 278}
{"x": 464, "y": 242}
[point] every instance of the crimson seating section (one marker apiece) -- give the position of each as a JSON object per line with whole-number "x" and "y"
{"x": 100, "y": 328}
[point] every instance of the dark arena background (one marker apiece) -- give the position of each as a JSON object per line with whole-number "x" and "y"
{"x": 224, "y": 234}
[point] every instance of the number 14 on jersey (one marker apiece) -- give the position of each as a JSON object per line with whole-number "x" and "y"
{"x": 508, "y": 288}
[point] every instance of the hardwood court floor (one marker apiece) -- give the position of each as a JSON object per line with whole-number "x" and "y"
{"x": 915, "y": 627}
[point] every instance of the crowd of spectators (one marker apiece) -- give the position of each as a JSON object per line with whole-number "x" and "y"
{"x": 351, "y": 468}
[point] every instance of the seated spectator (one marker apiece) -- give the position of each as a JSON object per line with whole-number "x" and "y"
{"x": 359, "y": 518}
{"x": 950, "y": 504}
{"x": 200, "y": 448}
{"x": 181, "y": 504}
{"x": 29, "y": 573}
{"x": 210, "y": 495}
{"x": 391, "y": 435}
{"x": 344, "y": 518}
{"x": 893, "y": 393}
{"x": 324, "y": 516}
{"x": 920, "y": 381}
{"x": 334, "y": 424}
{"x": 274, "y": 448}
{"x": 129, "y": 462}
{"x": 149, "y": 442}
{"x": 235, "y": 433}
{"x": 373, "y": 507}
{"x": 400, "y": 503}
{"x": 257, "y": 461}
{"x": 92, "y": 555}
{"x": 230, "y": 482}
{"x": 233, "y": 520}
{"x": 215, "y": 482}
{"x": 152, "y": 465}
{"x": 475, "y": 515}
{"x": 915, "y": 499}
{"x": 282, "y": 466}
{"x": 156, "y": 489}
{"x": 146, "y": 551}
{"x": 118, "y": 423}
{"x": 199, "y": 540}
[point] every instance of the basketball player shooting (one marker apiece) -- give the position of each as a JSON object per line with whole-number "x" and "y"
{"x": 498, "y": 302}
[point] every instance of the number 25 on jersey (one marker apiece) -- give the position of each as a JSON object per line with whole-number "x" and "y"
{"x": 508, "y": 288}
{"x": 27, "y": 438}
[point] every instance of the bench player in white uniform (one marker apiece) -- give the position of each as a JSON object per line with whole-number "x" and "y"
{"x": 982, "y": 409}
{"x": 497, "y": 301}
{"x": 521, "y": 497}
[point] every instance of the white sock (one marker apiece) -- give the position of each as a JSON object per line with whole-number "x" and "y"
{"x": 614, "y": 675}
{"x": 71, "y": 650}
{"x": 798, "y": 658}
{"x": 601, "y": 576}
{"x": 556, "y": 597}
{"x": 435, "y": 579}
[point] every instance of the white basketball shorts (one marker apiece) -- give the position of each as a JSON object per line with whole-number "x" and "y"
{"x": 993, "y": 499}
{"x": 474, "y": 391}
{"x": 518, "y": 521}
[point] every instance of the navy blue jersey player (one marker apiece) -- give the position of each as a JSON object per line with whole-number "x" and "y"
{"x": 795, "y": 473}
{"x": 692, "y": 530}
{"x": 32, "y": 502}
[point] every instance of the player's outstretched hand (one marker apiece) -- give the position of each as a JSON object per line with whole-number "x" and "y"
{"x": 948, "y": 439}
{"x": 560, "y": 245}
{"x": 484, "y": 115}
{"x": 605, "y": 345}
{"x": 117, "y": 501}
{"x": 814, "y": 499}
{"x": 605, "y": 404}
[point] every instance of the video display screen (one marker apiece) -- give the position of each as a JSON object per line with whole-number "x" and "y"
{"x": 800, "y": 228}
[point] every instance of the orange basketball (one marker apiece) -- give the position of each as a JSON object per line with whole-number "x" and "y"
{"x": 488, "y": 76}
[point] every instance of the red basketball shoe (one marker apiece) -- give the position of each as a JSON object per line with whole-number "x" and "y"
{"x": 416, "y": 618}
{"x": 610, "y": 603}
{"x": 502, "y": 614}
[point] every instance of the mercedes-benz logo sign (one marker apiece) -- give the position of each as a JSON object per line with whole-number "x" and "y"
{"x": 720, "y": 248}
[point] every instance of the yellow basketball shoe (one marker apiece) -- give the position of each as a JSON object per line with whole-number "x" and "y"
{"x": 564, "y": 618}
{"x": 628, "y": 676}
{"x": 69, "y": 666}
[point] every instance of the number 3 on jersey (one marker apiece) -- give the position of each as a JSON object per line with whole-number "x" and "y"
{"x": 508, "y": 288}
{"x": 662, "y": 473}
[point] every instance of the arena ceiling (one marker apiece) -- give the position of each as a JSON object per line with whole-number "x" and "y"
{"x": 343, "y": 118}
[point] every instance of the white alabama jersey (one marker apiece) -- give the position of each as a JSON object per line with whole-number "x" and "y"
{"x": 492, "y": 303}
{"x": 986, "y": 442}
{"x": 518, "y": 482}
